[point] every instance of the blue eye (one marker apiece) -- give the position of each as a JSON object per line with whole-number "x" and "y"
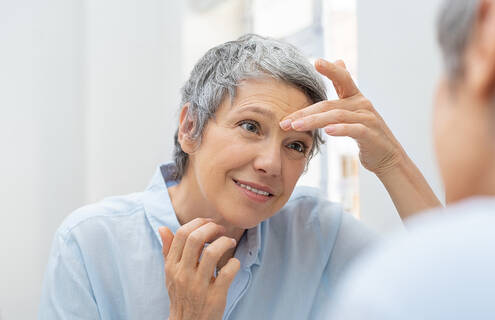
{"x": 298, "y": 146}
{"x": 250, "y": 126}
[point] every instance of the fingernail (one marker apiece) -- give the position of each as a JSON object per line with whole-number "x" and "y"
{"x": 330, "y": 129}
{"x": 285, "y": 124}
{"x": 322, "y": 62}
{"x": 298, "y": 124}
{"x": 235, "y": 242}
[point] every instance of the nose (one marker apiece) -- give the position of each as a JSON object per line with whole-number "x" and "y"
{"x": 268, "y": 160}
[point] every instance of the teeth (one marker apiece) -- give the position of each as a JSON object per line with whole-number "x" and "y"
{"x": 263, "y": 193}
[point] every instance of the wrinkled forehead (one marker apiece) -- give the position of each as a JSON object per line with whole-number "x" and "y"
{"x": 275, "y": 96}
{"x": 271, "y": 99}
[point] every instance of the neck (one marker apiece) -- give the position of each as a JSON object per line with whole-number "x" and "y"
{"x": 189, "y": 203}
{"x": 486, "y": 183}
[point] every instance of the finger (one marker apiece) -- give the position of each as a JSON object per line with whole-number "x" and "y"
{"x": 340, "y": 77}
{"x": 227, "y": 274}
{"x": 167, "y": 238}
{"x": 196, "y": 241}
{"x": 212, "y": 254}
{"x": 356, "y": 130}
{"x": 341, "y": 63}
{"x": 180, "y": 238}
{"x": 318, "y": 107}
{"x": 320, "y": 120}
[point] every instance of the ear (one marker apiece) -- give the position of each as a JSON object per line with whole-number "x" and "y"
{"x": 480, "y": 55}
{"x": 186, "y": 128}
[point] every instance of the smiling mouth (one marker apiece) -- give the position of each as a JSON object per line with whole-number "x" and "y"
{"x": 252, "y": 189}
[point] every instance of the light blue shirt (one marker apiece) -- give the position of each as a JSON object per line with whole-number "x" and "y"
{"x": 106, "y": 261}
{"x": 443, "y": 268}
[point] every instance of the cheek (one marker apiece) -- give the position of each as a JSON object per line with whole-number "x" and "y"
{"x": 221, "y": 151}
{"x": 293, "y": 170}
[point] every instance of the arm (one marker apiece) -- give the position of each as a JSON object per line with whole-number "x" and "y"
{"x": 379, "y": 151}
{"x": 408, "y": 188}
{"x": 66, "y": 288}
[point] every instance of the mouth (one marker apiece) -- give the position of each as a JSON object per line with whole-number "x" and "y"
{"x": 254, "y": 191}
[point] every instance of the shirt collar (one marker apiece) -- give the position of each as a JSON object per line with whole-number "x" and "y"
{"x": 160, "y": 212}
{"x": 157, "y": 204}
{"x": 254, "y": 243}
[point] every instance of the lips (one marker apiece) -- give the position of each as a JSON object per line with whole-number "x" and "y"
{"x": 255, "y": 188}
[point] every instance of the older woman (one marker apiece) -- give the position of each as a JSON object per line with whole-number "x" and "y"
{"x": 444, "y": 267}
{"x": 238, "y": 241}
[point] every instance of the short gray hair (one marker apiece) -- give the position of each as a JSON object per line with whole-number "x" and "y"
{"x": 223, "y": 67}
{"x": 454, "y": 27}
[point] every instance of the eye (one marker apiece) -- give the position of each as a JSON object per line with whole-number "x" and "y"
{"x": 297, "y": 146}
{"x": 251, "y": 126}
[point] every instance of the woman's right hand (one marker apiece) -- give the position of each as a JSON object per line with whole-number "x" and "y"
{"x": 193, "y": 291}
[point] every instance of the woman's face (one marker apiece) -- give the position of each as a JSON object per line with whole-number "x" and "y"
{"x": 246, "y": 167}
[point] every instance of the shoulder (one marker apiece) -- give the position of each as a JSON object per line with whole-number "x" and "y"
{"x": 101, "y": 215}
{"x": 307, "y": 200}
{"x": 310, "y": 204}
{"x": 307, "y": 205}
{"x": 308, "y": 209}
{"x": 439, "y": 246}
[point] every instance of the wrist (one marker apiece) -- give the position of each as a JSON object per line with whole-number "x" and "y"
{"x": 397, "y": 165}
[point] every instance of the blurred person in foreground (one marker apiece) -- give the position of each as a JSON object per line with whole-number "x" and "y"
{"x": 444, "y": 268}
{"x": 220, "y": 232}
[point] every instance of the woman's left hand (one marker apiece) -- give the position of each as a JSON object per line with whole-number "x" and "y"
{"x": 352, "y": 115}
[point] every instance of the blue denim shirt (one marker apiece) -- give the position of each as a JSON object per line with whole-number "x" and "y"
{"x": 106, "y": 261}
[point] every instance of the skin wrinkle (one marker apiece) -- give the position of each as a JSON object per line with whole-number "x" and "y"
{"x": 228, "y": 151}
{"x": 220, "y": 72}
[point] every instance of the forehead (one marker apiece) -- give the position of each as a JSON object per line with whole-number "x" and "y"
{"x": 275, "y": 96}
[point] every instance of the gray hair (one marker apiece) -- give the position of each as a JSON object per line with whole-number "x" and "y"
{"x": 223, "y": 67}
{"x": 454, "y": 27}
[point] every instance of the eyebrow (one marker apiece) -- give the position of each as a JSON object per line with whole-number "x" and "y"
{"x": 269, "y": 114}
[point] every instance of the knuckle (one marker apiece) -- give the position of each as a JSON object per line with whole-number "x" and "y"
{"x": 198, "y": 220}
{"x": 327, "y": 104}
{"x": 360, "y": 130}
{"x": 210, "y": 252}
{"x": 228, "y": 273}
{"x": 181, "y": 280}
{"x": 372, "y": 120}
{"x": 181, "y": 233}
{"x": 366, "y": 103}
{"x": 339, "y": 115}
{"x": 311, "y": 119}
{"x": 296, "y": 115}
{"x": 224, "y": 239}
{"x": 195, "y": 239}
{"x": 211, "y": 224}
{"x": 332, "y": 67}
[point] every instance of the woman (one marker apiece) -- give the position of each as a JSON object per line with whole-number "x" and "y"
{"x": 247, "y": 129}
{"x": 443, "y": 268}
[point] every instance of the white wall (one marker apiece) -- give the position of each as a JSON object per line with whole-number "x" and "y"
{"x": 398, "y": 64}
{"x": 133, "y": 80}
{"x": 86, "y": 93}
{"x": 41, "y": 165}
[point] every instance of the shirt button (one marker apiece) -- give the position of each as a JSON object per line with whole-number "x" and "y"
{"x": 250, "y": 253}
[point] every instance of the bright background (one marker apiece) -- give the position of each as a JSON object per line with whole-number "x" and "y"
{"x": 89, "y": 98}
